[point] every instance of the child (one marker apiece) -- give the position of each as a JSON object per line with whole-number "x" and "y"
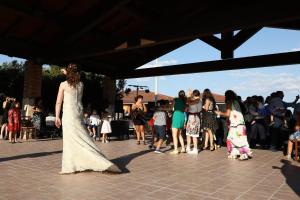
{"x": 14, "y": 121}
{"x": 151, "y": 126}
{"x": 95, "y": 122}
{"x": 293, "y": 137}
{"x": 105, "y": 128}
{"x": 160, "y": 122}
{"x": 86, "y": 121}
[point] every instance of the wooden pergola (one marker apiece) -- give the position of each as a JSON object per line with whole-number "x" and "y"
{"x": 114, "y": 37}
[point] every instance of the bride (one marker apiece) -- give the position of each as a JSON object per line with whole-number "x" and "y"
{"x": 80, "y": 153}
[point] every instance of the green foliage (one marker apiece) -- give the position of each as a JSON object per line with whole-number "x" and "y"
{"x": 120, "y": 85}
{"x": 53, "y": 71}
{"x": 12, "y": 86}
{"x": 13, "y": 65}
{"x": 12, "y": 82}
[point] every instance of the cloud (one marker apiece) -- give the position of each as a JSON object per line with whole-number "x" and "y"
{"x": 296, "y": 49}
{"x": 158, "y": 63}
{"x": 263, "y": 83}
{"x": 142, "y": 80}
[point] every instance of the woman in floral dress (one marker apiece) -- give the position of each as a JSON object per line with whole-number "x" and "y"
{"x": 193, "y": 123}
{"x": 237, "y": 144}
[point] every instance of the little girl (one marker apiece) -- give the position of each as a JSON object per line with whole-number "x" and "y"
{"x": 105, "y": 128}
{"x": 14, "y": 121}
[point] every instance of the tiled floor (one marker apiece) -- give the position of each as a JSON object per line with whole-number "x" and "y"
{"x": 29, "y": 170}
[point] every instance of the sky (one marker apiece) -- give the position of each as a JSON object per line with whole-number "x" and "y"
{"x": 247, "y": 82}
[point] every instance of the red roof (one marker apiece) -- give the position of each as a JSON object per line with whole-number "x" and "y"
{"x": 149, "y": 97}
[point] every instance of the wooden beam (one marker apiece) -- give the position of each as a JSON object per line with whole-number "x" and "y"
{"x": 23, "y": 8}
{"x": 212, "y": 41}
{"x": 210, "y": 24}
{"x": 97, "y": 20}
{"x": 217, "y": 20}
{"x": 269, "y": 60}
{"x": 227, "y": 48}
{"x": 243, "y": 35}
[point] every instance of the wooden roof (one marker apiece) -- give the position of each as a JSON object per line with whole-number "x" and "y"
{"x": 115, "y": 37}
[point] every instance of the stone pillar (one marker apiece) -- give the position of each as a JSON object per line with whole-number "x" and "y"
{"x": 109, "y": 92}
{"x": 32, "y": 86}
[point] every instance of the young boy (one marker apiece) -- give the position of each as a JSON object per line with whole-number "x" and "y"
{"x": 86, "y": 121}
{"x": 160, "y": 122}
{"x": 95, "y": 121}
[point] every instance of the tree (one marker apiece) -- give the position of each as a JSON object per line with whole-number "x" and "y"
{"x": 13, "y": 65}
{"x": 120, "y": 85}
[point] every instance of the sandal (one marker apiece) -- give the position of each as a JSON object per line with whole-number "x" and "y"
{"x": 174, "y": 152}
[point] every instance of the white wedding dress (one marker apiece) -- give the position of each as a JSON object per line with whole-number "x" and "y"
{"x": 80, "y": 153}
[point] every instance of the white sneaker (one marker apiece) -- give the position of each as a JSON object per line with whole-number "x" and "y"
{"x": 188, "y": 149}
{"x": 106, "y": 141}
{"x": 194, "y": 152}
{"x": 158, "y": 151}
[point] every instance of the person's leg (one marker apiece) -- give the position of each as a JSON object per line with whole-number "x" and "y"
{"x": 195, "y": 142}
{"x": 94, "y": 132}
{"x": 175, "y": 140}
{"x": 3, "y": 131}
{"x": 181, "y": 141}
{"x": 274, "y": 138}
{"x": 188, "y": 143}
{"x": 142, "y": 130}
{"x": 138, "y": 134}
{"x": 103, "y": 137}
{"x": 159, "y": 144}
{"x": 289, "y": 149}
{"x": 211, "y": 140}
{"x": 205, "y": 139}
{"x": 261, "y": 129}
{"x": 161, "y": 134}
{"x": 15, "y": 136}
{"x": 10, "y": 135}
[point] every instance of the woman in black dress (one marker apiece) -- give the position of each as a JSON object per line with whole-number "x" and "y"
{"x": 6, "y": 106}
{"x": 209, "y": 119}
{"x": 138, "y": 116}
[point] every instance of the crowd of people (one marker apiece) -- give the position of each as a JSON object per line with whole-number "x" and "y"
{"x": 199, "y": 123}
{"x": 191, "y": 123}
{"x": 13, "y": 118}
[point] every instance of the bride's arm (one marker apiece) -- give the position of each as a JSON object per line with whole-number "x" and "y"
{"x": 59, "y": 100}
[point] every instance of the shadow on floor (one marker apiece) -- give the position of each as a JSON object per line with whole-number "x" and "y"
{"x": 30, "y": 155}
{"x": 123, "y": 161}
{"x": 291, "y": 174}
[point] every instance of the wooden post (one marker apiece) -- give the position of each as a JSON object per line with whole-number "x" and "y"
{"x": 32, "y": 86}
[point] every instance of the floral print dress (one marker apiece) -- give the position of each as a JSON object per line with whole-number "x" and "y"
{"x": 237, "y": 143}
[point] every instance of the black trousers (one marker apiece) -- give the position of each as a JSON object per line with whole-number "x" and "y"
{"x": 276, "y": 137}
{"x": 258, "y": 132}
